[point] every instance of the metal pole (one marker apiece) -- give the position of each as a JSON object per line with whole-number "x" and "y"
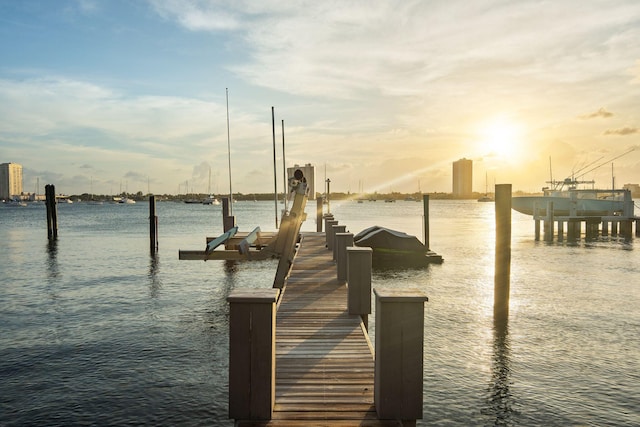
{"x": 229, "y": 155}
{"x": 284, "y": 169}
{"x": 275, "y": 179}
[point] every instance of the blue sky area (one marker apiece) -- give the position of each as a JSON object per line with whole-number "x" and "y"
{"x": 130, "y": 95}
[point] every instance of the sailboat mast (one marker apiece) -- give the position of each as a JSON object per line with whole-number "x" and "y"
{"x": 275, "y": 179}
{"x": 229, "y": 156}
{"x": 284, "y": 171}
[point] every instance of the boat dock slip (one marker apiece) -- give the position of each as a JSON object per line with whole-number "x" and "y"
{"x": 324, "y": 359}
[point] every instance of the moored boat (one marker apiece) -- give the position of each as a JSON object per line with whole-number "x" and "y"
{"x": 569, "y": 200}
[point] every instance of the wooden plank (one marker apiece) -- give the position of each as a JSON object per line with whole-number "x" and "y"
{"x": 324, "y": 360}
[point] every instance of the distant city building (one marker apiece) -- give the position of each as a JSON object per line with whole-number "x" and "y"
{"x": 462, "y": 178}
{"x": 10, "y": 180}
{"x": 309, "y": 174}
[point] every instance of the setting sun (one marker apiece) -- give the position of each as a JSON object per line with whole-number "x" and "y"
{"x": 501, "y": 137}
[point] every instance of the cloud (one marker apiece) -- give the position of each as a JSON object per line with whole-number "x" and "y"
{"x": 622, "y": 131}
{"x": 197, "y": 15}
{"x": 602, "y": 112}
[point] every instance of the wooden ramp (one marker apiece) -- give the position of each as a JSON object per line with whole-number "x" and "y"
{"x": 324, "y": 359}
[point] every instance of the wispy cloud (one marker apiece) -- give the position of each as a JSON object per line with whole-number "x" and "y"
{"x": 602, "y": 112}
{"x": 622, "y": 131}
{"x": 198, "y": 15}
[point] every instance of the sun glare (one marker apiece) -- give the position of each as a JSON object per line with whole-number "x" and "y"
{"x": 501, "y": 138}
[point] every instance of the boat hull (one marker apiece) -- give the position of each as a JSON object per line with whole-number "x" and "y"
{"x": 565, "y": 206}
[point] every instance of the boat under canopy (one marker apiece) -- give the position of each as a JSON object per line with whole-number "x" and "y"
{"x": 393, "y": 248}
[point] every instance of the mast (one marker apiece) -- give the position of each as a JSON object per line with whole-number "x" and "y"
{"x": 229, "y": 155}
{"x": 275, "y": 180}
{"x": 284, "y": 170}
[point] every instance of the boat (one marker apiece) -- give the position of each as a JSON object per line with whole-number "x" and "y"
{"x": 392, "y": 248}
{"x": 126, "y": 201}
{"x": 211, "y": 200}
{"x": 570, "y": 200}
{"x": 14, "y": 203}
{"x": 486, "y": 197}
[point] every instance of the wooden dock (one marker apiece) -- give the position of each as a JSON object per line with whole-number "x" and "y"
{"x": 324, "y": 358}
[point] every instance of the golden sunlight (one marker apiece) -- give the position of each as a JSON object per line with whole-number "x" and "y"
{"x": 501, "y": 137}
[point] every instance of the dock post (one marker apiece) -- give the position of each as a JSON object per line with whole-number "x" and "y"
{"x": 343, "y": 241}
{"x": 605, "y": 228}
{"x": 153, "y": 225}
{"x": 536, "y": 220}
{"x": 573, "y": 232}
{"x": 625, "y": 229}
{"x": 591, "y": 228}
{"x": 503, "y": 253}
{"x": 328, "y": 232}
{"x": 252, "y": 357}
{"x": 319, "y": 214}
{"x": 548, "y": 223}
{"x": 560, "y": 231}
{"x": 425, "y": 216}
{"x": 228, "y": 221}
{"x": 637, "y": 228}
{"x": 359, "y": 263}
{"x": 399, "y": 341}
{"x": 335, "y": 230}
{"x": 52, "y": 211}
{"x": 614, "y": 228}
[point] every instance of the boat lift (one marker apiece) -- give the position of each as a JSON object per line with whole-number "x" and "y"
{"x": 257, "y": 245}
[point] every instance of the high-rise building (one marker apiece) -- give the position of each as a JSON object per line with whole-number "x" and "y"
{"x": 463, "y": 178}
{"x": 309, "y": 173}
{"x": 10, "y": 180}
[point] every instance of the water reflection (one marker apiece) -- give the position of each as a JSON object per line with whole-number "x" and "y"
{"x": 500, "y": 400}
{"x": 154, "y": 282}
{"x": 53, "y": 271}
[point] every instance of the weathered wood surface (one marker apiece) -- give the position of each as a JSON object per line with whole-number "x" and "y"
{"x": 324, "y": 359}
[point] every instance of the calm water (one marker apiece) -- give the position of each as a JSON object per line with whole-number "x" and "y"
{"x": 95, "y": 331}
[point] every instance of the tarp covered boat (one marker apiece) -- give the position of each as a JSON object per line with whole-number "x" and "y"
{"x": 393, "y": 248}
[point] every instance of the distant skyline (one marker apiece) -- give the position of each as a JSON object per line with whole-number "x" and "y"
{"x": 108, "y": 96}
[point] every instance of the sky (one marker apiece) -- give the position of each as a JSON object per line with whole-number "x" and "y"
{"x": 105, "y": 96}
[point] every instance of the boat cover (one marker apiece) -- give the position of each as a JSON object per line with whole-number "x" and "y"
{"x": 384, "y": 238}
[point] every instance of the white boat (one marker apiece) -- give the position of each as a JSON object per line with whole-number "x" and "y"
{"x": 14, "y": 203}
{"x": 569, "y": 200}
{"x": 127, "y": 201}
{"x": 211, "y": 200}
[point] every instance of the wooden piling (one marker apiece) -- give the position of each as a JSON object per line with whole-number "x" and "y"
{"x": 503, "y": 252}
{"x": 325, "y": 218}
{"x": 52, "y": 211}
{"x": 329, "y": 232}
{"x": 425, "y": 217}
{"x": 335, "y": 229}
{"x": 252, "y": 358}
{"x": 560, "y": 231}
{"x": 399, "y": 339}
{"x": 343, "y": 241}
{"x": 359, "y": 264}
{"x": 319, "y": 214}
{"x": 228, "y": 221}
{"x": 548, "y": 223}
{"x": 153, "y": 225}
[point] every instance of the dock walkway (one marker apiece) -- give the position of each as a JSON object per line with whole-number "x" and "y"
{"x": 324, "y": 359}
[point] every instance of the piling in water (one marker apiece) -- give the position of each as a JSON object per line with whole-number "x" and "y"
{"x": 503, "y": 252}
{"x": 153, "y": 225}
{"x": 52, "y": 211}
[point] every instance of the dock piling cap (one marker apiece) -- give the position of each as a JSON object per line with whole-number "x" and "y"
{"x": 251, "y": 295}
{"x": 400, "y": 295}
